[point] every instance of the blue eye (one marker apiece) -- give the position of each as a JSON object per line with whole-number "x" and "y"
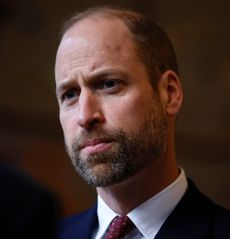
{"x": 108, "y": 84}
{"x": 70, "y": 94}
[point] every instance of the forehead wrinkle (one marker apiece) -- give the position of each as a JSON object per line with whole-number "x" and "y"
{"x": 91, "y": 64}
{"x": 115, "y": 42}
{"x": 85, "y": 49}
{"x": 61, "y": 86}
{"x": 100, "y": 73}
{"x": 80, "y": 52}
{"x": 73, "y": 63}
{"x": 69, "y": 81}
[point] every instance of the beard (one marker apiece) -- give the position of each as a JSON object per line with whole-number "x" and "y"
{"x": 129, "y": 153}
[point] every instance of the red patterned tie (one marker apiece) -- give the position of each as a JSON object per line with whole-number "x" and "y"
{"x": 119, "y": 227}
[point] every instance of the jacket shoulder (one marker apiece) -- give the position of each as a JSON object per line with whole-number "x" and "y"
{"x": 221, "y": 222}
{"x": 196, "y": 216}
{"x": 70, "y": 220}
{"x": 82, "y": 224}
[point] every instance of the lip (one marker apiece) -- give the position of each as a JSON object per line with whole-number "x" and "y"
{"x": 97, "y": 145}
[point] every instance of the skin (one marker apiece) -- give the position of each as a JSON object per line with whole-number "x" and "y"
{"x": 91, "y": 53}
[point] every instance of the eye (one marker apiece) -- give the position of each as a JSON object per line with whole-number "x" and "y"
{"x": 70, "y": 95}
{"x": 109, "y": 84}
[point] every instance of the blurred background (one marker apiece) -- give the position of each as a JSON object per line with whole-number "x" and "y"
{"x": 30, "y": 134}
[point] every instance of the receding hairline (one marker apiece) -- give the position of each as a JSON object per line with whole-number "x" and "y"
{"x": 153, "y": 46}
{"x": 97, "y": 18}
{"x": 99, "y": 13}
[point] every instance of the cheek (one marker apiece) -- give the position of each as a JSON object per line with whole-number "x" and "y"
{"x": 67, "y": 124}
{"x": 128, "y": 113}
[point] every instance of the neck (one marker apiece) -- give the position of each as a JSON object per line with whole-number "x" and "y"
{"x": 125, "y": 196}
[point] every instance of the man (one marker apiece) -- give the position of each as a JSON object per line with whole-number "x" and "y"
{"x": 119, "y": 92}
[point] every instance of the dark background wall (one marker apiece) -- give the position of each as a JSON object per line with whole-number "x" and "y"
{"x": 30, "y": 135}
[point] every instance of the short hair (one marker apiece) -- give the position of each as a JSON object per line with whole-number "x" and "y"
{"x": 152, "y": 44}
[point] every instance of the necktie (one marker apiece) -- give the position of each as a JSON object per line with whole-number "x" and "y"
{"x": 119, "y": 227}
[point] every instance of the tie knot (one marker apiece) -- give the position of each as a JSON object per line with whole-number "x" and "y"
{"x": 119, "y": 227}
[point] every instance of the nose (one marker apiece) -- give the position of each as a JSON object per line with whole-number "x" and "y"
{"x": 90, "y": 112}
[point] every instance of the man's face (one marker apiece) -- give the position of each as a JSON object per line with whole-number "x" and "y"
{"x": 113, "y": 121}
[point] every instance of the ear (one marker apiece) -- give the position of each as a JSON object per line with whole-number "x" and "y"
{"x": 170, "y": 92}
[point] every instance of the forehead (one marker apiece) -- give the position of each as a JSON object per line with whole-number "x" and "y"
{"x": 110, "y": 32}
{"x": 96, "y": 36}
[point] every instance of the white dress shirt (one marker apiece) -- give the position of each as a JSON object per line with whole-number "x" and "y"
{"x": 147, "y": 217}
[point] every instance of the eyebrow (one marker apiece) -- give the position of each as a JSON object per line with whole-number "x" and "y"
{"x": 66, "y": 83}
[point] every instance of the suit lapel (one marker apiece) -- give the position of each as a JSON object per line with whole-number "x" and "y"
{"x": 84, "y": 227}
{"x": 190, "y": 219}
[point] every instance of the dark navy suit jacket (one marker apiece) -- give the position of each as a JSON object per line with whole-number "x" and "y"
{"x": 195, "y": 217}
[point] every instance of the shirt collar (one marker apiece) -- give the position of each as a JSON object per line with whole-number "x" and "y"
{"x": 150, "y": 215}
{"x": 105, "y": 216}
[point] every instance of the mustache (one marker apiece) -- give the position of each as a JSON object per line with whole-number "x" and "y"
{"x": 92, "y": 137}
